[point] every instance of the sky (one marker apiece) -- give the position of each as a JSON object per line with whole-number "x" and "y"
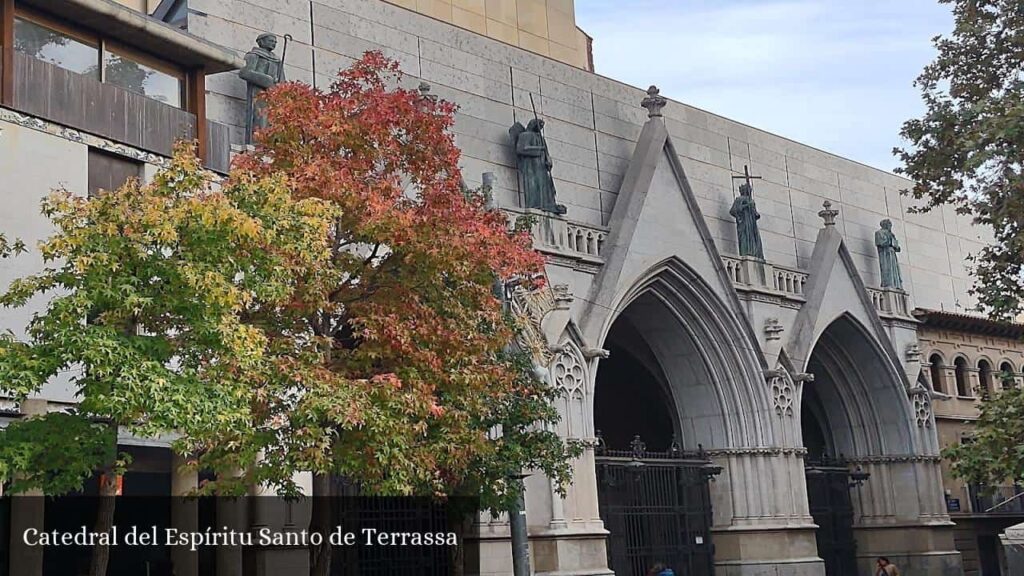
{"x": 835, "y": 74}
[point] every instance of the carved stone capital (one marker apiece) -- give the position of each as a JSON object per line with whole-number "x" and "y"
{"x": 773, "y": 329}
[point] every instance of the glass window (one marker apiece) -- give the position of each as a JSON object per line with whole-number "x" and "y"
{"x": 56, "y": 47}
{"x": 142, "y": 77}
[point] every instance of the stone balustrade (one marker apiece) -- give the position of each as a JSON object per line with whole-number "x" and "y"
{"x": 751, "y": 273}
{"x": 563, "y": 238}
{"x": 789, "y": 281}
{"x": 583, "y": 239}
{"x": 890, "y": 302}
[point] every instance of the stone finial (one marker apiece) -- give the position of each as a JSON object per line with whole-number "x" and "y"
{"x": 828, "y": 214}
{"x": 654, "y": 102}
{"x": 424, "y": 90}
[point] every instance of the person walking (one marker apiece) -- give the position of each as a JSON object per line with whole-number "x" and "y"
{"x": 886, "y": 568}
{"x": 660, "y": 569}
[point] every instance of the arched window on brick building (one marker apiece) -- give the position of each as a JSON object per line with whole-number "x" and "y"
{"x": 935, "y": 368}
{"x": 985, "y": 378}
{"x": 963, "y": 387}
{"x": 1006, "y": 376}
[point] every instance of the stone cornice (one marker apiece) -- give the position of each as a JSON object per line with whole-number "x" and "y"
{"x": 893, "y": 459}
{"x": 758, "y": 451}
{"x": 85, "y": 138}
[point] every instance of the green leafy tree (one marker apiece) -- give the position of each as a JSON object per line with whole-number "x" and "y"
{"x": 967, "y": 151}
{"x": 145, "y": 289}
{"x": 995, "y": 451}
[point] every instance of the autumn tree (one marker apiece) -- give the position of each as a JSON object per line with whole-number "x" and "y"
{"x": 144, "y": 289}
{"x": 967, "y": 151}
{"x": 393, "y": 361}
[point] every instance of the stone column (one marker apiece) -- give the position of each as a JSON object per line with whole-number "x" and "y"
{"x": 184, "y": 515}
{"x": 28, "y": 510}
{"x": 575, "y": 543}
{"x": 762, "y": 523}
{"x": 974, "y": 387}
{"x": 231, "y": 514}
{"x": 900, "y": 513}
{"x": 948, "y": 375}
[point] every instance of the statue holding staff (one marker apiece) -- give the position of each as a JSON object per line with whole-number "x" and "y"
{"x": 263, "y": 70}
{"x": 888, "y": 263}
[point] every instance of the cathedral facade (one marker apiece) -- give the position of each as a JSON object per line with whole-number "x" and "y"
{"x": 747, "y": 407}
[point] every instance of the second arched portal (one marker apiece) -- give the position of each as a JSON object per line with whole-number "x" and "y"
{"x": 653, "y": 495}
{"x": 678, "y": 380}
{"x": 854, "y": 410}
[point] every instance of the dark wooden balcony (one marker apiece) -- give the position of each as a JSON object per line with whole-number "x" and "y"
{"x": 52, "y": 93}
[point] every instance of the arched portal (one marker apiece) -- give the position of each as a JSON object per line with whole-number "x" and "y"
{"x": 683, "y": 375}
{"x": 632, "y": 397}
{"x": 855, "y": 409}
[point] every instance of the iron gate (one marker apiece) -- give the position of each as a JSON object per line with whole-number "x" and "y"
{"x": 828, "y": 494}
{"x": 657, "y": 509}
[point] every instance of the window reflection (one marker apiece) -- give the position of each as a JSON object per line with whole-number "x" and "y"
{"x": 131, "y": 74}
{"x": 56, "y": 47}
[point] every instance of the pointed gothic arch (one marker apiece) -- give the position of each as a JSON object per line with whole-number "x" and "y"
{"x": 715, "y": 380}
{"x": 860, "y": 392}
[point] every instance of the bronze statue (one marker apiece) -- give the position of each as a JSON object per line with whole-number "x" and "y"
{"x": 534, "y": 163}
{"x": 888, "y": 263}
{"x": 745, "y": 212}
{"x": 263, "y": 70}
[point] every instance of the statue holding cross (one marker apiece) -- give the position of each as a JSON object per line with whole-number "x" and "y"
{"x": 745, "y": 212}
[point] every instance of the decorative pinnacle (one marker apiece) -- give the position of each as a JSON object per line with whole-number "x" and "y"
{"x": 654, "y": 102}
{"x": 424, "y": 91}
{"x": 828, "y": 214}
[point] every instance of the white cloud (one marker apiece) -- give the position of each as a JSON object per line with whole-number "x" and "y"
{"x": 836, "y": 74}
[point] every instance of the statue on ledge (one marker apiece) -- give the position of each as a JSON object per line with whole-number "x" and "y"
{"x": 888, "y": 263}
{"x": 263, "y": 70}
{"x": 744, "y": 210}
{"x": 534, "y": 163}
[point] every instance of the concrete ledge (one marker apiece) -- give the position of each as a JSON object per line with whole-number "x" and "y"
{"x": 123, "y": 23}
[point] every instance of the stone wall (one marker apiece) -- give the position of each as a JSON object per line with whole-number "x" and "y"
{"x": 36, "y": 158}
{"x": 547, "y": 27}
{"x": 592, "y": 125}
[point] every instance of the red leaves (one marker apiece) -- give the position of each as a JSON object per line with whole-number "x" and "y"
{"x": 407, "y": 327}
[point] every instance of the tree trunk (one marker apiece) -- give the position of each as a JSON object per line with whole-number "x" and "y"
{"x": 457, "y": 522}
{"x": 104, "y": 523}
{"x": 320, "y": 556}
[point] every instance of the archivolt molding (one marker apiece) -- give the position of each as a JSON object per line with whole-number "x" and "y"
{"x": 725, "y": 343}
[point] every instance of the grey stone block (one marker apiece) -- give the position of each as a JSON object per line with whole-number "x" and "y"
{"x": 351, "y": 23}
{"x": 583, "y": 117}
{"x": 435, "y": 73}
{"x": 354, "y": 47}
{"x": 614, "y": 146}
{"x": 579, "y": 155}
{"x": 617, "y": 127}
